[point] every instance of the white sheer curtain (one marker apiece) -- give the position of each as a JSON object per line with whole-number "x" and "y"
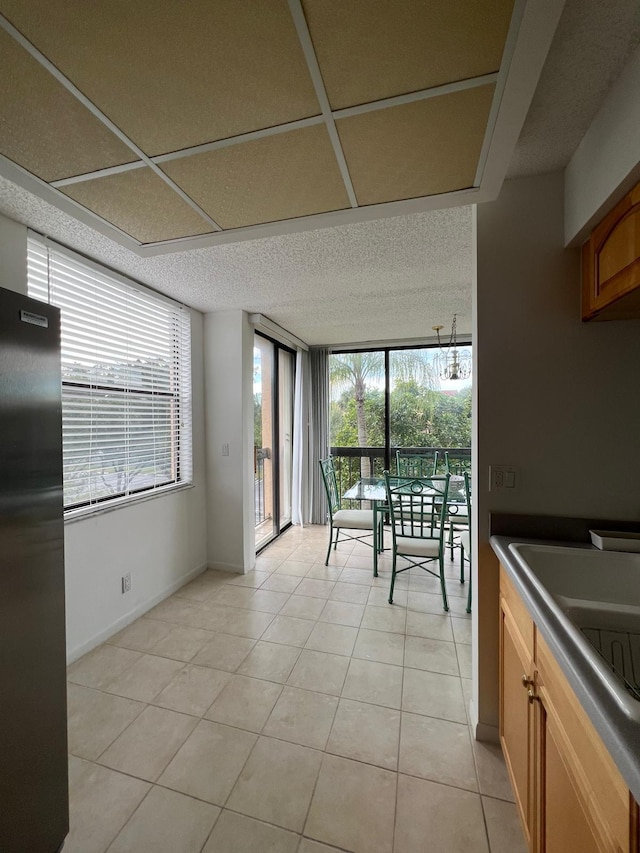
{"x": 300, "y": 486}
{"x": 310, "y": 435}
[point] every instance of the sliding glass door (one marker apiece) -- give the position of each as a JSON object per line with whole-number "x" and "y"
{"x": 273, "y": 384}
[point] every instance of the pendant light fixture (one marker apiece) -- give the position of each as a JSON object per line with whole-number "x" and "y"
{"x": 452, "y": 363}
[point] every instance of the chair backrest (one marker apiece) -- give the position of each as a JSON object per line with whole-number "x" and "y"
{"x": 330, "y": 484}
{"x": 417, "y": 464}
{"x": 456, "y": 464}
{"x": 417, "y": 506}
{"x": 467, "y": 492}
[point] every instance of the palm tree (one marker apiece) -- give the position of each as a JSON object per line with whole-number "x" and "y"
{"x": 354, "y": 369}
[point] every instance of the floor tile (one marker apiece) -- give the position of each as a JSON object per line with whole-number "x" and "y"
{"x": 432, "y": 655}
{"x": 319, "y": 671}
{"x": 166, "y": 822}
{"x": 302, "y": 716}
{"x": 433, "y": 694}
{"x": 465, "y": 660}
{"x": 449, "y": 818}
{"x": 199, "y": 589}
{"x": 335, "y": 639}
{"x": 351, "y": 592}
{"x": 390, "y": 618}
{"x": 182, "y": 642}
{"x": 245, "y": 702}
{"x": 177, "y": 610}
{"x": 461, "y": 630}
{"x": 381, "y": 646}
{"x": 281, "y": 583}
{"x": 101, "y": 666}
{"x": 289, "y": 630}
{"x": 235, "y": 833}
{"x": 211, "y": 616}
{"x": 361, "y": 561}
{"x": 268, "y": 601}
{"x": 292, "y": 567}
{"x": 193, "y": 690}
{"x": 142, "y": 635}
{"x": 342, "y": 613}
{"x": 95, "y": 719}
{"x": 425, "y": 602}
{"x": 353, "y": 806}
{"x": 100, "y": 803}
{"x": 145, "y": 678}
{"x": 209, "y": 762}
{"x": 224, "y": 652}
{"x": 324, "y": 573}
{"x": 303, "y": 607}
{"x": 356, "y": 576}
{"x": 253, "y": 579}
{"x": 236, "y": 596}
{"x": 307, "y": 845}
{"x": 269, "y": 563}
{"x": 492, "y": 771}
{"x": 149, "y": 744}
{"x": 503, "y": 827}
{"x": 377, "y": 683}
{"x": 364, "y": 732}
{"x": 436, "y": 626}
{"x": 315, "y": 588}
{"x": 438, "y": 750}
{"x": 247, "y": 623}
{"x": 379, "y": 596}
{"x": 277, "y": 783}
{"x": 271, "y": 661}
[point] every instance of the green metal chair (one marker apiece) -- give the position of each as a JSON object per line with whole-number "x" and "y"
{"x": 457, "y": 464}
{"x": 418, "y": 510}
{"x": 346, "y": 519}
{"x": 465, "y": 540}
{"x": 417, "y": 464}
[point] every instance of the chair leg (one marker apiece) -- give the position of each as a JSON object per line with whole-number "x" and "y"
{"x": 451, "y": 538}
{"x": 461, "y": 563}
{"x": 326, "y": 562}
{"x": 393, "y": 579}
{"x": 469, "y": 594}
{"x": 442, "y": 584}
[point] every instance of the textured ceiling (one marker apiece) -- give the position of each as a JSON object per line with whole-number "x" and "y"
{"x": 388, "y": 279}
{"x": 381, "y": 280}
{"x": 594, "y": 40}
{"x": 220, "y": 115}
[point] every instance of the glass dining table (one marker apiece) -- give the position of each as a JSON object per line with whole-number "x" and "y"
{"x": 373, "y": 489}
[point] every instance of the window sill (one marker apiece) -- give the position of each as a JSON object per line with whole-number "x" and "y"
{"x": 122, "y": 503}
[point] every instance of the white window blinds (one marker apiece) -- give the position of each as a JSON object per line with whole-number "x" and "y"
{"x": 126, "y": 379}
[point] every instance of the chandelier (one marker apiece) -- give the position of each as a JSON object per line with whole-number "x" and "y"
{"x": 452, "y": 363}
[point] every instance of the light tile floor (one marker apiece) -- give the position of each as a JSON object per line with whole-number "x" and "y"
{"x": 290, "y": 710}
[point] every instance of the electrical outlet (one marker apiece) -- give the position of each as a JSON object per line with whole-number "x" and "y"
{"x": 225, "y": 448}
{"x": 501, "y": 477}
{"x": 126, "y": 583}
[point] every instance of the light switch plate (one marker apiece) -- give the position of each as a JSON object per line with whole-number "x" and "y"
{"x": 502, "y": 477}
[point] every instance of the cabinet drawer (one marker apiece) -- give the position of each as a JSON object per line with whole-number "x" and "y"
{"x": 518, "y": 612}
{"x": 600, "y": 787}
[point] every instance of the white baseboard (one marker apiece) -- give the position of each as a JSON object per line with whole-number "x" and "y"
{"x": 482, "y": 731}
{"x": 226, "y": 567}
{"x": 132, "y": 615}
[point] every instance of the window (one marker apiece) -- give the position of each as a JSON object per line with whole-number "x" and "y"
{"x": 126, "y": 379}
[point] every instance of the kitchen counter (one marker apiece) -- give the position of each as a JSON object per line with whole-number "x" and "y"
{"x": 620, "y": 734}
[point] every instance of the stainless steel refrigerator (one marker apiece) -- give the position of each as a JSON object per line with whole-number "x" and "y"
{"x": 34, "y": 813}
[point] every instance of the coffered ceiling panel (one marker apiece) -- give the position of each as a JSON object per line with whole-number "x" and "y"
{"x": 264, "y": 180}
{"x": 232, "y": 119}
{"x": 175, "y": 74}
{"x": 141, "y": 204}
{"x": 377, "y": 49}
{"x": 43, "y": 127}
{"x": 416, "y": 149}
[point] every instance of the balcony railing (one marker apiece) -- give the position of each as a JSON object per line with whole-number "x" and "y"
{"x": 351, "y": 463}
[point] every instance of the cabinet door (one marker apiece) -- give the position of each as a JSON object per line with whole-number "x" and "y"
{"x": 516, "y": 718}
{"x": 565, "y": 826}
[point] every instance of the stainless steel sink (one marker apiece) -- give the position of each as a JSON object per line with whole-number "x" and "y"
{"x": 596, "y": 596}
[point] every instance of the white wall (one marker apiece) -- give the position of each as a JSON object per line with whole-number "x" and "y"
{"x": 606, "y": 164}
{"x": 555, "y": 397}
{"x": 229, "y": 420}
{"x": 13, "y": 255}
{"x": 161, "y": 541}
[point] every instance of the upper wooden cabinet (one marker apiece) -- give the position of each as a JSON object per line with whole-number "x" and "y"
{"x": 611, "y": 264}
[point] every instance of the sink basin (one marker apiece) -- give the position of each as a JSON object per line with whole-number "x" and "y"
{"x": 595, "y": 595}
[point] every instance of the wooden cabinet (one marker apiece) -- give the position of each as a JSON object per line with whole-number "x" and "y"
{"x": 611, "y": 264}
{"x": 570, "y": 795}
